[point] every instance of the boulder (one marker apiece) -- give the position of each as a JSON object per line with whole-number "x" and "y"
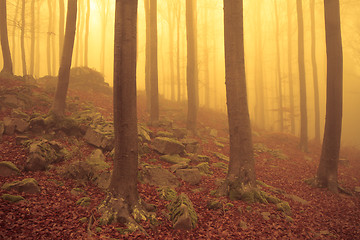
{"x": 191, "y": 145}
{"x": 164, "y": 134}
{"x": 79, "y": 171}
{"x": 8, "y": 169}
{"x": 143, "y": 134}
{"x": 221, "y": 156}
{"x": 168, "y": 146}
{"x": 175, "y": 167}
{"x": 174, "y": 159}
{"x": 182, "y": 213}
{"x": 179, "y": 132}
{"x": 17, "y": 113}
{"x": 9, "y": 126}
{"x": 12, "y": 198}
{"x": 158, "y": 176}
{"x": 99, "y": 139}
{"x": 21, "y": 125}
{"x": 191, "y": 176}
{"x": 28, "y": 185}
{"x": 97, "y": 160}
{"x": 204, "y": 168}
{"x": 213, "y": 133}
{"x": 13, "y": 101}
{"x": 37, "y": 124}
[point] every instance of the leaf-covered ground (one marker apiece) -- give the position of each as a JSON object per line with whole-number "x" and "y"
{"x": 54, "y": 214}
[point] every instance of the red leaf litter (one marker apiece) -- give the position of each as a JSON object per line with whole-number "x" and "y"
{"x": 54, "y": 214}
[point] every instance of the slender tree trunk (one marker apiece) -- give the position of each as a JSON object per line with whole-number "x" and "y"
{"x": 327, "y": 173}
{"x": 241, "y": 165}
{"x": 192, "y": 73}
{"x": 206, "y": 60}
{"x": 53, "y": 40}
{"x": 301, "y": 62}
{"x": 32, "y": 53}
{"x": 290, "y": 72}
{"x": 37, "y": 55}
{"x": 23, "y": 57}
{"x": 87, "y": 28}
{"x": 78, "y": 35}
{"x": 14, "y": 35}
{"x": 7, "y": 67}
{"x": 59, "y": 103}
{"x": 154, "y": 106}
{"x": 61, "y": 26}
{"x": 178, "y": 15}
{"x": 278, "y": 70}
{"x": 315, "y": 75}
{"x": 103, "y": 14}
{"x": 147, "y": 55}
{"x": 48, "y": 55}
{"x": 171, "y": 15}
{"x": 81, "y": 33}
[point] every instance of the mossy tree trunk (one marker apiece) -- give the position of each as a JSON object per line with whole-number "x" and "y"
{"x": 327, "y": 172}
{"x": 58, "y": 107}
{"x": 4, "y": 39}
{"x": 241, "y": 173}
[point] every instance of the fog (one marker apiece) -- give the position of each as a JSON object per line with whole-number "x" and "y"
{"x": 263, "y": 72}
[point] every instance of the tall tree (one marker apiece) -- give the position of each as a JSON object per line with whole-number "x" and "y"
{"x": 206, "y": 59}
{"x": 178, "y": 15}
{"x": 87, "y": 28}
{"x": 154, "y": 105}
{"x": 278, "y": 70}
{"x": 61, "y": 26}
{"x": 23, "y": 57}
{"x": 48, "y": 43}
{"x": 241, "y": 173}
{"x": 171, "y": 23}
{"x": 14, "y": 28}
{"x": 7, "y": 67}
{"x": 290, "y": 72}
{"x": 328, "y": 167}
{"x": 103, "y": 6}
{"x": 314, "y": 70}
{"x": 192, "y": 71}
{"x": 37, "y": 55}
{"x": 123, "y": 199}
{"x": 32, "y": 53}
{"x": 55, "y": 60}
{"x": 58, "y": 107}
{"x": 301, "y": 62}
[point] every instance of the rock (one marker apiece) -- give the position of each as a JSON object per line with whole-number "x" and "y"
{"x": 28, "y": 185}
{"x": 179, "y": 133}
{"x": 8, "y": 169}
{"x": 103, "y": 180}
{"x": 266, "y": 215}
{"x": 221, "y": 156}
{"x": 20, "y": 139}
{"x": 79, "y": 171}
{"x": 13, "y": 101}
{"x": 182, "y": 213}
{"x": 213, "y": 133}
{"x": 168, "y": 146}
{"x": 214, "y": 204}
{"x": 164, "y": 134}
{"x": 12, "y": 198}
{"x": 167, "y": 193}
{"x": 191, "y": 145}
{"x": 77, "y": 191}
{"x": 220, "y": 165}
{"x": 37, "y": 125}
{"x": 175, "y": 167}
{"x": 204, "y": 168}
{"x": 17, "y": 113}
{"x": 99, "y": 139}
{"x": 243, "y": 225}
{"x": 158, "y": 176}
{"x": 344, "y": 162}
{"x": 97, "y": 160}
{"x": 191, "y": 176}
{"x": 284, "y": 207}
{"x": 200, "y": 158}
{"x": 9, "y": 126}
{"x": 174, "y": 159}
{"x": 21, "y": 125}
{"x": 143, "y": 133}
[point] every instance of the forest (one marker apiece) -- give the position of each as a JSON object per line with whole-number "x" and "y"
{"x": 169, "y": 119}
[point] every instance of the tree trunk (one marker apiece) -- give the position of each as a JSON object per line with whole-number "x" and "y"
{"x": 290, "y": 72}
{"x": 171, "y": 16}
{"x": 178, "y": 15}
{"x": 78, "y": 35}
{"x": 37, "y": 55}
{"x": 59, "y": 104}
{"x": 327, "y": 171}
{"x": 48, "y": 55}
{"x": 32, "y": 53}
{"x": 315, "y": 75}
{"x": 53, "y": 40}
{"x": 7, "y": 67}
{"x": 301, "y": 62}
{"x": 154, "y": 105}
{"x": 23, "y": 57}
{"x": 61, "y": 26}
{"x": 147, "y": 55}
{"x": 206, "y": 60}
{"x": 86, "y": 54}
{"x": 278, "y": 70}
{"x": 241, "y": 166}
{"x": 192, "y": 73}
{"x": 14, "y": 35}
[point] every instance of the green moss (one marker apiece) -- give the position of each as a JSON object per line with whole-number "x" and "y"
{"x": 9, "y": 165}
{"x": 174, "y": 159}
{"x": 220, "y": 165}
{"x": 271, "y": 198}
{"x": 85, "y": 201}
{"x": 204, "y": 168}
{"x": 220, "y": 145}
{"x": 77, "y": 191}
{"x": 171, "y": 140}
{"x": 284, "y": 207}
{"x": 83, "y": 220}
{"x": 164, "y": 134}
{"x": 167, "y": 193}
{"x": 98, "y": 229}
{"x": 229, "y": 205}
{"x": 178, "y": 206}
{"x": 12, "y": 198}
{"x": 221, "y": 156}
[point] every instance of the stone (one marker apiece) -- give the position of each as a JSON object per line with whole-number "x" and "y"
{"x": 9, "y": 126}
{"x": 12, "y": 198}
{"x": 214, "y": 204}
{"x": 191, "y": 176}
{"x": 179, "y": 133}
{"x": 28, "y": 185}
{"x": 164, "y": 134}
{"x": 182, "y": 213}
{"x": 191, "y": 145}
{"x": 99, "y": 139}
{"x": 97, "y": 160}
{"x": 221, "y": 156}
{"x": 84, "y": 201}
{"x": 20, "y": 139}
{"x": 158, "y": 176}
{"x": 174, "y": 159}
{"x": 80, "y": 171}
{"x": 344, "y": 162}
{"x": 266, "y": 215}
{"x": 168, "y": 146}
{"x": 143, "y": 133}
{"x": 37, "y": 125}
{"x": 167, "y": 193}
{"x": 21, "y": 125}
{"x": 204, "y": 168}
{"x": 213, "y": 133}
{"x": 8, "y": 169}
{"x": 175, "y": 167}
{"x": 17, "y": 113}
{"x": 12, "y": 100}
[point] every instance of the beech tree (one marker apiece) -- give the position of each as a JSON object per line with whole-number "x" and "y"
{"x": 154, "y": 84}
{"x": 58, "y": 107}
{"x": 241, "y": 173}
{"x": 327, "y": 171}
{"x": 7, "y": 68}
{"x": 23, "y": 57}
{"x": 61, "y": 26}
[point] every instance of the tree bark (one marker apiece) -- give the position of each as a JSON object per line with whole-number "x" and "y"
{"x": 178, "y": 15}
{"x": 327, "y": 171}
{"x": 59, "y": 103}
{"x": 7, "y": 67}
{"x": 290, "y": 72}
{"x": 48, "y": 55}
{"x": 171, "y": 22}
{"x": 147, "y": 55}
{"x": 14, "y": 35}
{"x": 32, "y": 53}
{"x": 55, "y": 60}
{"x": 61, "y": 26}
{"x": 206, "y": 60}
{"x": 154, "y": 105}
{"x": 301, "y": 62}
{"x": 23, "y": 55}
{"x": 87, "y": 28}
{"x": 315, "y": 75}
{"x": 192, "y": 72}
{"x": 241, "y": 166}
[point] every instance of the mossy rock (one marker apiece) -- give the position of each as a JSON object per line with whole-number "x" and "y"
{"x": 85, "y": 201}
{"x": 77, "y": 191}
{"x": 220, "y": 165}
{"x": 204, "y": 168}
{"x": 8, "y": 168}
{"x": 12, "y": 198}
{"x": 221, "y": 156}
{"x": 220, "y": 145}
{"x": 284, "y": 207}
{"x": 174, "y": 159}
{"x": 164, "y": 134}
{"x": 28, "y": 185}
{"x": 167, "y": 193}
{"x": 182, "y": 213}
{"x": 246, "y": 194}
{"x": 271, "y": 198}
{"x": 214, "y": 204}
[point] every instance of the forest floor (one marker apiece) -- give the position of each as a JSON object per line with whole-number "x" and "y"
{"x": 54, "y": 214}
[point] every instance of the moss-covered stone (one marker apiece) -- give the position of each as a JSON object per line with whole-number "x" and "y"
{"x": 164, "y": 134}
{"x": 12, "y": 198}
{"x": 84, "y": 201}
{"x": 284, "y": 207}
{"x": 77, "y": 191}
{"x": 167, "y": 193}
{"x": 221, "y": 156}
{"x": 220, "y": 145}
{"x": 271, "y": 198}
{"x": 214, "y": 204}
{"x": 8, "y": 168}
{"x": 182, "y": 213}
{"x": 28, "y": 185}
{"x": 204, "y": 168}
{"x": 174, "y": 159}
{"x": 220, "y": 165}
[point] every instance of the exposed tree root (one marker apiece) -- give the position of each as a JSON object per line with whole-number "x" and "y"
{"x": 334, "y": 187}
